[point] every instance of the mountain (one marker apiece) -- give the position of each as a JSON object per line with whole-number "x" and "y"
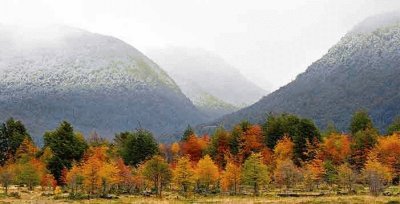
{"x": 360, "y": 72}
{"x": 94, "y": 81}
{"x": 214, "y": 86}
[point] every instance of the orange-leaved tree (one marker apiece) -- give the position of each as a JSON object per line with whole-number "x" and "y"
{"x": 387, "y": 151}
{"x": 231, "y": 177}
{"x": 336, "y": 148}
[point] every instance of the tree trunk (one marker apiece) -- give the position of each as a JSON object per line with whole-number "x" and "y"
{"x": 255, "y": 189}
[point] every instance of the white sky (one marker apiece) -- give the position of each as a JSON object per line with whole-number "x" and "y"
{"x": 270, "y": 42}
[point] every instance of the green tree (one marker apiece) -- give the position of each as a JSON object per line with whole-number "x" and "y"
{"x": 12, "y": 134}
{"x": 4, "y": 145}
{"x": 27, "y": 174}
{"x": 234, "y": 140}
{"x": 66, "y": 147}
{"x": 394, "y": 127}
{"x": 136, "y": 147}
{"x": 362, "y": 143}
{"x": 188, "y": 132}
{"x": 219, "y": 147}
{"x": 255, "y": 173}
{"x": 360, "y": 121}
{"x": 157, "y": 171}
{"x": 330, "y": 129}
{"x": 300, "y": 130}
{"x": 331, "y": 174}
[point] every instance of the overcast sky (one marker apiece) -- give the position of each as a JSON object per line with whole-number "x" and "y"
{"x": 270, "y": 42}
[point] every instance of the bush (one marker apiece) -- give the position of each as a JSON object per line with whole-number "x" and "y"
{"x": 77, "y": 196}
{"x": 15, "y": 195}
{"x": 47, "y": 194}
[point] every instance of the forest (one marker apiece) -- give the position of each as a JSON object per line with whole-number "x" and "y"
{"x": 287, "y": 156}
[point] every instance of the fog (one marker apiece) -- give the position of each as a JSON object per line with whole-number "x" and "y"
{"x": 270, "y": 42}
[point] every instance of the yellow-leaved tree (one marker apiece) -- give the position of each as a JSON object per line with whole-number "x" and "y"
{"x": 376, "y": 174}
{"x": 184, "y": 177}
{"x": 206, "y": 173}
{"x": 231, "y": 178}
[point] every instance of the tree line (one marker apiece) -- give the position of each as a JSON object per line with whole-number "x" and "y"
{"x": 285, "y": 153}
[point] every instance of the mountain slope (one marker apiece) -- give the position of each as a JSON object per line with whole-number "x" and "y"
{"x": 213, "y": 85}
{"x": 96, "y": 82}
{"x": 361, "y": 71}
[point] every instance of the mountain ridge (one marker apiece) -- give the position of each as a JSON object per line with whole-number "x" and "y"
{"x": 203, "y": 75}
{"x": 356, "y": 73}
{"x": 96, "y": 81}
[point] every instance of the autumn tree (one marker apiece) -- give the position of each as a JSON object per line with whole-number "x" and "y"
{"x": 286, "y": 173}
{"x": 48, "y": 182}
{"x": 175, "y": 150}
{"x": 26, "y": 150}
{"x": 255, "y": 173}
{"x": 157, "y": 171}
{"x": 347, "y": 177}
{"x": 7, "y": 176}
{"x": 387, "y": 151}
{"x": 75, "y": 179}
{"x": 66, "y": 147}
{"x": 98, "y": 170}
{"x": 315, "y": 172}
{"x": 125, "y": 178}
{"x": 267, "y": 155}
{"x": 90, "y": 172}
{"x": 284, "y": 149}
{"x": 109, "y": 176}
{"x": 193, "y": 147}
{"x": 136, "y": 147}
{"x": 139, "y": 180}
{"x": 251, "y": 141}
{"x": 29, "y": 170}
{"x": 231, "y": 177}
{"x": 336, "y": 148}
{"x": 300, "y": 130}
{"x": 376, "y": 175}
{"x": 207, "y": 173}
{"x": 184, "y": 174}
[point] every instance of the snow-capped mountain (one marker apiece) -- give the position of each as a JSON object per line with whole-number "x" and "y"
{"x": 96, "y": 82}
{"x": 359, "y": 72}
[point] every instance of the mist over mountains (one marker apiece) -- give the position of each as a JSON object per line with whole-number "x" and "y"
{"x": 359, "y": 72}
{"x": 96, "y": 82}
{"x": 214, "y": 86}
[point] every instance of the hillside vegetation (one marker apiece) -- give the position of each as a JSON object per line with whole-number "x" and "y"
{"x": 96, "y": 82}
{"x": 285, "y": 157}
{"x": 360, "y": 71}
